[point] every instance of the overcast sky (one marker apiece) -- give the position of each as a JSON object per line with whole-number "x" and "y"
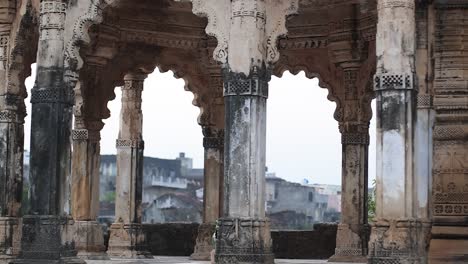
{"x": 303, "y": 141}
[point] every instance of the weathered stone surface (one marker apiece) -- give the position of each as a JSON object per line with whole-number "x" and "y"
{"x": 45, "y": 239}
{"x": 128, "y": 241}
{"x": 243, "y": 240}
{"x": 88, "y": 237}
{"x": 126, "y": 237}
{"x": 213, "y": 143}
{"x": 420, "y": 81}
{"x": 205, "y": 242}
{"x": 10, "y": 232}
{"x": 319, "y": 243}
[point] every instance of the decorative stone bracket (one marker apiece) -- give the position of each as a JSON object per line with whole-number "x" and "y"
{"x": 228, "y": 20}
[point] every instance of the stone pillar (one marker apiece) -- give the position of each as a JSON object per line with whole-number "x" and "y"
{"x": 244, "y": 218}
{"x": 88, "y": 233}
{"x": 126, "y": 237}
{"x": 12, "y": 114}
{"x": 399, "y": 233}
{"x": 353, "y": 230}
{"x": 46, "y": 227}
{"x": 247, "y": 32}
{"x": 213, "y": 142}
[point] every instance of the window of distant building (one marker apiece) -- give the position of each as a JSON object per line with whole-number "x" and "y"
{"x": 311, "y": 196}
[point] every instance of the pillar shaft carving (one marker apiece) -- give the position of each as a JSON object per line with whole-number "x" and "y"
{"x": 126, "y": 237}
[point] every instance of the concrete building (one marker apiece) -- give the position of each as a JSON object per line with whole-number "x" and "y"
{"x": 296, "y": 206}
{"x": 168, "y": 186}
{"x": 409, "y": 55}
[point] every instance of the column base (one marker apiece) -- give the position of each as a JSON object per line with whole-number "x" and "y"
{"x": 128, "y": 241}
{"x": 10, "y": 238}
{"x": 45, "y": 239}
{"x": 399, "y": 241}
{"x": 204, "y": 244}
{"x": 449, "y": 244}
{"x": 243, "y": 240}
{"x": 89, "y": 240}
{"x": 350, "y": 246}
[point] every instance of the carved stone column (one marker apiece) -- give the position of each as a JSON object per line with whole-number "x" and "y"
{"x": 126, "y": 237}
{"x": 244, "y": 218}
{"x": 247, "y": 32}
{"x": 353, "y": 231}
{"x": 213, "y": 142}
{"x": 12, "y": 114}
{"x": 399, "y": 233}
{"x": 45, "y": 229}
{"x": 88, "y": 234}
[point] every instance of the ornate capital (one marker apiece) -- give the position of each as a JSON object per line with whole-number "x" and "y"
{"x": 130, "y": 143}
{"x": 256, "y": 84}
{"x": 10, "y": 116}
{"x": 230, "y": 20}
{"x": 86, "y": 135}
{"x": 213, "y": 142}
{"x": 51, "y": 95}
{"x": 355, "y": 138}
{"x": 393, "y": 82}
{"x": 213, "y": 138}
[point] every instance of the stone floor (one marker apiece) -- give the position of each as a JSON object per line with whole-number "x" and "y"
{"x": 185, "y": 260}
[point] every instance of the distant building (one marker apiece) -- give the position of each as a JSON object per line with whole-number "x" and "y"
{"x": 171, "y": 189}
{"x": 298, "y": 206}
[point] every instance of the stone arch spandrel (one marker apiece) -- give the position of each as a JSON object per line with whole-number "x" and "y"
{"x": 88, "y": 15}
{"x": 23, "y": 47}
{"x": 183, "y": 67}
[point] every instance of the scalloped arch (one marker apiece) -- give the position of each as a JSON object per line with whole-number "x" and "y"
{"x": 323, "y": 83}
{"x": 80, "y": 38}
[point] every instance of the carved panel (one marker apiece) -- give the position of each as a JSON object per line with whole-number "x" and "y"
{"x": 450, "y": 161}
